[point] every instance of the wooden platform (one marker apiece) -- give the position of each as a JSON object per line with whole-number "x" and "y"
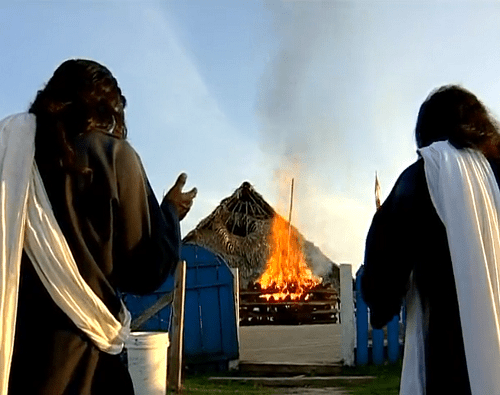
{"x": 316, "y": 306}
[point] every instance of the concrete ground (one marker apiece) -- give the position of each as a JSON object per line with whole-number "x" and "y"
{"x": 291, "y": 343}
{"x": 307, "y": 344}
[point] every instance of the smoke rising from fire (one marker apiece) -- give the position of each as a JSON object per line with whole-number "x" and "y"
{"x": 301, "y": 131}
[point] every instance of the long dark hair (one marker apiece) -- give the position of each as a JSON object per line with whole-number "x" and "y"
{"x": 82, "y": 96}
{"x": 455, "y": 114}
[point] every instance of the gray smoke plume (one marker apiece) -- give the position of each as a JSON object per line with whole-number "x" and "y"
{"x": 301, "y": 129}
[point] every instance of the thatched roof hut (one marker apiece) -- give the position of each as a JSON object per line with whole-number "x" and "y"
{"x": 238, "y": 230}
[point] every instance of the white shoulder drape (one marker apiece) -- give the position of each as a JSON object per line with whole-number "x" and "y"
{"x": 466, "y": 196}
{"x": 27, "y": 220}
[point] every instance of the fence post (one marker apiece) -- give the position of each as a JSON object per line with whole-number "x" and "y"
{"x": 361, "y": 323}
{"x": 176, "y": 349}
{"x": 393, "y": 339}
{"x": 378, "y": 346}
{"x": 347, "y": 314}
{"x": 236, "y": 287}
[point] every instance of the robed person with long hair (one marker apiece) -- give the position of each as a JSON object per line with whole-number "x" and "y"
{"x": 80, "y": 223}
{"x": 435, "y": 242}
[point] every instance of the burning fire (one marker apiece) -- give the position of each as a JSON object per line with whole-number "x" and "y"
{"x": 287, "y": 272}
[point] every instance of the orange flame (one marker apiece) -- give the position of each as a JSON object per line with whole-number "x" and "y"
{"x": 286, "y": 272}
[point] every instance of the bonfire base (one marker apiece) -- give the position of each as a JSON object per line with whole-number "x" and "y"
{"x": 318, "y": 306}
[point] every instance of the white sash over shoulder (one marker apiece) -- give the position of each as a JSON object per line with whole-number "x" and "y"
{"x": 466, "y": 196}
{"x": 27, "y": 221}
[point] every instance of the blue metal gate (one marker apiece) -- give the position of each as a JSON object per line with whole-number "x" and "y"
{"x": 210, "y": 327}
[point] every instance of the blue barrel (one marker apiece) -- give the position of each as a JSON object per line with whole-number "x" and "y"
{"x": 210, "y": 327}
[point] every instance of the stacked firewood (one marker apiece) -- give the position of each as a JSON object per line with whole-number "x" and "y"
{"x": 319, "y": 305}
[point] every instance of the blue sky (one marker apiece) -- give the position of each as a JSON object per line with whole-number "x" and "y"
{"x": 326, "y": 92}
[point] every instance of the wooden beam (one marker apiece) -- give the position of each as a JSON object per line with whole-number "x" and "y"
{"x": 270, "y": 306}
{"x": 151, "y": 311}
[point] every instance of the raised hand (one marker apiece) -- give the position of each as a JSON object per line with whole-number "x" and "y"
{"x": 182, "y": 201}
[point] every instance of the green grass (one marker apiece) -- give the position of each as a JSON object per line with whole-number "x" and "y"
{"x": 386, "y": 382}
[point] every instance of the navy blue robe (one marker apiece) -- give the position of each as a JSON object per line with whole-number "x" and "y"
{"x": 407, "y": 235}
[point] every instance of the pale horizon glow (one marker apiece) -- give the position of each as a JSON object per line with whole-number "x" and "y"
{"x": 326, "y": 92}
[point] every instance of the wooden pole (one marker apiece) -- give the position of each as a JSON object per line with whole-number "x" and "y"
{"x": 160, "y": 304}
{"x": 175, "y": 351}
{"x": 289, "y": 224}
{"x": 377, "y": 192}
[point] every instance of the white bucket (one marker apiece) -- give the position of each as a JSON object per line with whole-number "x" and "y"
{"x": 147, "y": 362}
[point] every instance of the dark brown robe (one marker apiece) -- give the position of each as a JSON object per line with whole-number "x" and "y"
{"x": 121, "y": 240}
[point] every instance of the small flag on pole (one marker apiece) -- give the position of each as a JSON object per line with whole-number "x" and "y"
{"x": 377, "y": 192}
